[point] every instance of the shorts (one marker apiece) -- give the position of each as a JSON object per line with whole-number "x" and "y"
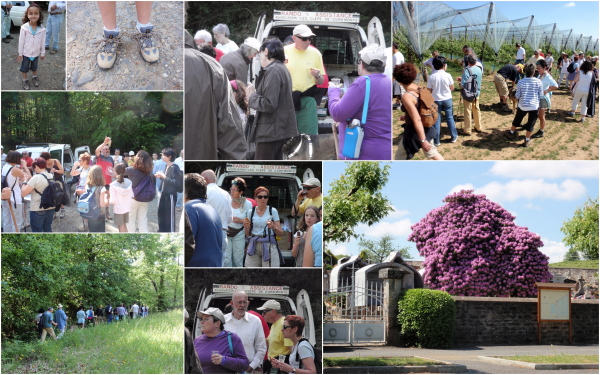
{"x": 121, "y": 219}
{"x": 27, "y": 65}
{"x": 544, "y": 103}
{"x": 501, "y": 85}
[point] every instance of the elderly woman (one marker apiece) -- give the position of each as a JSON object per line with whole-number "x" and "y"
{"x": 275, "y": 119}
{"x": 221, "y": 33}
{"x": 416, "y": 136}
{"x": 262, "y": 225}
{"x": 40, "y": 217}
{"x": 302, "y": 357}
{"x": 236, "y": 63}
{"x": 582, "y": 82}
{"x": 310, "y": 217}
{"x": 219, "y": 351}
{"x": 348, "y": 111}
{"x": 236, "y": 241}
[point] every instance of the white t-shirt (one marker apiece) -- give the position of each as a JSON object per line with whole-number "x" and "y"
{"x": 241, "y": 213}
{"x": 440, "y": 81}
{"x": 584, "y": 81}
{"x": 12, "y": 180}
{"x": 429, "y": 63}
{"x": 305, "y": 350}
{"x": 549, "y": 60}
{"x": 521, "y": 53}
{"x": 229, "y": 47}
{"x": 565, "y": 65}
{"x": 398, "y": 58}
{"x": 259, "y": 223}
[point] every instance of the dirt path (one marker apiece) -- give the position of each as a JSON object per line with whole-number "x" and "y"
{"x": 51, "y": 70}
{"x": 130, "y": 71}
{"x": 564, "y": 139}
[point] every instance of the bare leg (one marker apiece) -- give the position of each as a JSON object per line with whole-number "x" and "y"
{"x": 34, "y": 73}
{"x": 144, "y": 10}
{"x": 24, "y": 74}
{"x": 108, "y": 12}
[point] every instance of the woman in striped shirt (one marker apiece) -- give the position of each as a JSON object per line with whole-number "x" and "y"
{"x": 529, "y": 93}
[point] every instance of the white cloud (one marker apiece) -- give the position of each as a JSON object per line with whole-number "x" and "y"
{"x": 396, "y": 213}
{"x": 399, "y": 228}
{"x": 545, "y": 169}
{"x": 533, "y": 189}
{"x": 569, "y": 5}
{"x": 458, "y": 188}
{"x": 339, "y": 250}
{"x": 555, "y": 250}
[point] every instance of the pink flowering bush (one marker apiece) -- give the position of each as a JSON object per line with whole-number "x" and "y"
{"x": 472, "y": 247}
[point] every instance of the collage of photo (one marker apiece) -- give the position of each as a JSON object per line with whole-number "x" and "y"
{"x": 224, "y": 187}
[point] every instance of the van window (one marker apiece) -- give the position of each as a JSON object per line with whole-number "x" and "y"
{"x": 67, "y": 159}
{"x": 56, "y": 154}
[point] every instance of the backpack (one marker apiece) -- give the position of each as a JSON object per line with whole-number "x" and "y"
{"x": 108, "y": 310}
{"x": 469, "y": 87}
{"x": 5, "y": 185}
{"x": 428, "y": 110}
{"x": 52, "y": 196}
{"x": 571, "y": 67}
{"x": 145, "y": 191}
{"x": 318, "y": 356}
{"x": 88, "y": 205}
{"x": 40, "y": 324}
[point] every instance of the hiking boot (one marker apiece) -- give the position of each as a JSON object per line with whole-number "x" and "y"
{"x": 148, "y": 49}
{"x": 506, "y": 108}
{"x": 108, "y": 50}
{"x": 36, "y": 82}
{"x": 510, "y": 136}
{"x": 62, "y": 213}
{"x": 5, "y": 40}
{"x": 9, "y": 37}
{"x": 538, "y": 134}
{"x": 26, "y": 84}
{"x": 47, "y": 47}
{"x": 462, "y": 132}
{"x": 526, "y": 143}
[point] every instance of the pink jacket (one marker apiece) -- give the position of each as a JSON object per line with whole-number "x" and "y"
{"x": 31, "y": 45}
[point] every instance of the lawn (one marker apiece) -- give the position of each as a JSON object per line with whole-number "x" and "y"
{"x": 591, "y": 264}
{"x": 554, "y": 358}
{"x": 376, "y": 361}
{"x": 565, "y": 139}
{"x": 152, "y": 345}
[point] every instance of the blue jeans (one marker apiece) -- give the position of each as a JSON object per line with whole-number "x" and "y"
{"x": 109, "y": 318}
{"x": 446, "y": 106}
{"x": 53, "y": 29}
{"x": 41, "y": 221}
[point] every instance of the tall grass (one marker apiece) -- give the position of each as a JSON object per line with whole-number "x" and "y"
{"x": 152, "y": 345}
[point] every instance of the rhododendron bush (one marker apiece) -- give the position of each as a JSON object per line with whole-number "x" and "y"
{"x": 472, "y": 247}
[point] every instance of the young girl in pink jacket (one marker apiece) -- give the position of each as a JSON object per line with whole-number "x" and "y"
{"x": 31, "y": 43}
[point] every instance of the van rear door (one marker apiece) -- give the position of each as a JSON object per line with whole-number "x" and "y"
{"x": 254, "y": 67}
{"x": 199, "y": 307}
{"x": 304, "y": 310}
{"x": 375, "y": 32}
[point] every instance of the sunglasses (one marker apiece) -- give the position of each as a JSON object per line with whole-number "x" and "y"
{"x": 309, "y": 187}
{"x": 303, "y": 38}
{"x": 262, "y": 197}
{"x": 265, "y": 311}
{"x": 285, "y": 327}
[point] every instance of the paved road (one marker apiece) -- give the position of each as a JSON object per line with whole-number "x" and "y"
{"x": 469, "y": 356}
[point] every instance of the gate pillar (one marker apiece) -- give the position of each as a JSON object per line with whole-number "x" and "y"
{"x": 393, "y": 279}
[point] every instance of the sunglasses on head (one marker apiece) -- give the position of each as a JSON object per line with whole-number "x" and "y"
{"x": 262, "y": 197}
{"x": 303, "y": 38}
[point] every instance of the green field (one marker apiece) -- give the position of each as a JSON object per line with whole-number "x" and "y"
{"x": 152, "y": 345}
{"x": 592, "y": 264}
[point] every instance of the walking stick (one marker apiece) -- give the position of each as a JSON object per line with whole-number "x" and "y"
{"x": 12, "y": 214}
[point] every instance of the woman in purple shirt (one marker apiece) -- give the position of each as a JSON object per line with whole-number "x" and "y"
{"x": 377, "y": 141}
{"x": 219, "y": 351}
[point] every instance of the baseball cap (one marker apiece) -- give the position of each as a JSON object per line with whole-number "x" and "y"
{"x": 312, "y": 182}
{"x": 59, "y": 306}
{"x": 372, "y": 52}
{"x": 303, "y": 31}
{"x": 131, "y": 153}
{"x": 270, "y": 305}
{"x": 217, "y": 313}
{"x": 253, "y": 43}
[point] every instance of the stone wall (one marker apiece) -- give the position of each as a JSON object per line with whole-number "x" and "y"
{"x": 589, "y": 275}
{"x": 513, "y": 321}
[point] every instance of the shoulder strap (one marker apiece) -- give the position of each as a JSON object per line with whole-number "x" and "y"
{"x": 230, "y": 344}
{"x": 43, "y": 175}
{"x": 251, "y": 218}
{"x": 409, "y": 92}
{"x": 366, "y": 103}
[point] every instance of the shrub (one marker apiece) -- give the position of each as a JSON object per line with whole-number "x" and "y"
{"x": 427, "y": 318}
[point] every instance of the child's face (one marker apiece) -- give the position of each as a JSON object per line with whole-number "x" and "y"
{"x": 33, "y": 13}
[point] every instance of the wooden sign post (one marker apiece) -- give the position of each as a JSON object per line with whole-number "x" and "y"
{"x": 554, "y": 305}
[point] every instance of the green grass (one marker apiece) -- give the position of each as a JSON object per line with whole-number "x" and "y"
{"x": 592, "y": 264}
{"x": 151, "y": 345}
{"x": 554, "y": 358}
{"x": 374, "y": 361}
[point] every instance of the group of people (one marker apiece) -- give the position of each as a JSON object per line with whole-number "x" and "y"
{"x": 229, "y": 230}
{"x": 46, "y": 320}
{"x": 534, "y": 86}
{"x": 253, "y": 120}
{"x": 242, "y": 342}
{"x": 125, "y": 183}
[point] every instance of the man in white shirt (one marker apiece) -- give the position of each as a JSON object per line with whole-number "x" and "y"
{"x": 220, "y": 200}
{"x": 520, "y": 59}
{"x": 429, "y": 62}
{"x": 249, "y": 328}
{"x": 117, "y": 157}
{"x": 441, "y": 85}
{"x": 56, "y": 11}
{"x": 135, "y": 309}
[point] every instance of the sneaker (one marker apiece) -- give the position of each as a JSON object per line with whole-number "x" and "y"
{"x": 47, "y": 47}
{"x": 108, "y": 50}
{"x": 148, "y": 49}
{"x": 538, "y": 134}
{"x": 5, "y": 40}
{"x": 510, "y": 136}
{"x": 505, "y": 108}
{"x": 462, "y": 132}
{"x": 582, "y": 119}
{"x": 26, "y": 84}
{"x": 526, "y": 143}
{"x": 53, "y": 51}
{"x": 36, "y": 81}
{"x": 454, "y": 140}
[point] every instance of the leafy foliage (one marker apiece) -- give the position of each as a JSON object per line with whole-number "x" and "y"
{"x": 473, "y": 248}
{"x": 377, "y": 251}
{"x": 581, "y": 232}
{"x": 427, "y": 318}
{"x": 355, "y": 198}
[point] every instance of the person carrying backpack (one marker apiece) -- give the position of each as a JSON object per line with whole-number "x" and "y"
{"x": 143, "y": 185}
{"x": 40, "y": 215}
{"x": 12, "y": 208}
{"x": 303, "y": 359}
{"x": 470, "y": 89}
{"x": 90, "y": 202}
{"x": 419, "y": 132}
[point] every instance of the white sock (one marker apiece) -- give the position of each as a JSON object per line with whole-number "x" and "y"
{"x": 140, "y": 25}
{"x": 117, "y": 30}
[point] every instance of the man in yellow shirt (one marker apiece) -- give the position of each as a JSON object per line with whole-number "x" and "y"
{"x": 305, "y": 65}
{"x": 310, "y": 195}
{"x": 271, "y": 311}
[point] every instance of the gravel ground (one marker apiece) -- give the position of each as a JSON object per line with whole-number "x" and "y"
{"x": 130, "y": 72}
{"x": 51, "y": 70}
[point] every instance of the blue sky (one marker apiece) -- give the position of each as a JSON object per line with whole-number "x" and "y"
{"x": 541, "y": 194}
{"x": 581, "y": 16}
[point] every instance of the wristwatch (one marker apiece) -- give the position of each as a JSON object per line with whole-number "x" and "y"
{"x": 423, "y": 140}
{"x": 293, "y": 370}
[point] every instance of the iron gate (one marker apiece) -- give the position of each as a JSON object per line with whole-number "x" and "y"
{"x": 354, "y": 314}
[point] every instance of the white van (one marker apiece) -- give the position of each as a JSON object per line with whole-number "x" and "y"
{"x": 220, "y": 295}
{"x": 339, "y": 38}
{"x": 58, "y": 151}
